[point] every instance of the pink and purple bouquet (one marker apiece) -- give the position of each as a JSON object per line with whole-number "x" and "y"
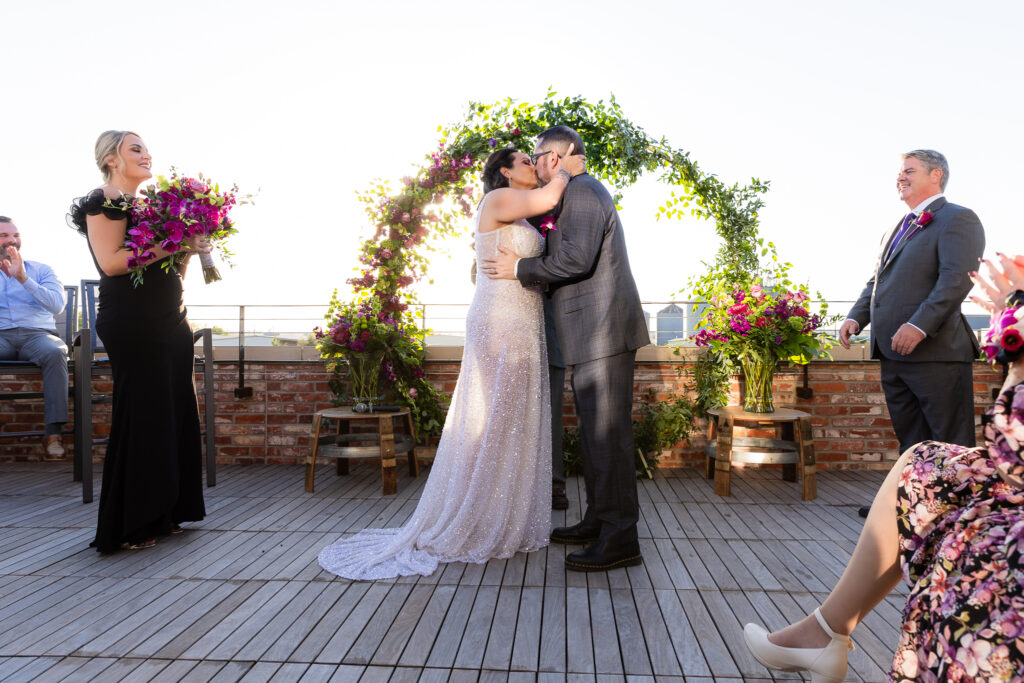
{"x": 1004, "y": 339}
{"x": 755, "y": 319}
{"x": 172, "y": 211}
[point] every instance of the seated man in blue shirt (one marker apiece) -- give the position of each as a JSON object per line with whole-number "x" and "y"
{"x": 30, "y": 297}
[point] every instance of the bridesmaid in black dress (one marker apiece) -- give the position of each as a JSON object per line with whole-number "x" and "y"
{"x": 152, "y": 475}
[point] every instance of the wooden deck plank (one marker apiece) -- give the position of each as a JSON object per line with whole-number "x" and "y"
{"x": 379, "y": 625}
{"x": 419, "y": 635}
{"x": 498, "y": 652}
{"x": 230, "y": 623}
{"x": 348, "y": 632}
{"x": 446, "y": 646}
{"x": 526, "y": 647}
{"x": 240, "y": 596}
{"x": 245, "y": 632}
{"x": 607, "y": 656}
{"x": 474, "y": 640}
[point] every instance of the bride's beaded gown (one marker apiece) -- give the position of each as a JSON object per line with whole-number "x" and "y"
{"x": 489, "y": 490}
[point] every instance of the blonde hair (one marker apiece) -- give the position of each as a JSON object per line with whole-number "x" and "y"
{"x": 109, "y": 142}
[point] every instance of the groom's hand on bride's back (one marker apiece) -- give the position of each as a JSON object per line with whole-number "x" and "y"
{"x": 502, "y": 266}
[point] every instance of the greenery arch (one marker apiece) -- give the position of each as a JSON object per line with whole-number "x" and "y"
{"x": 433, "y": 204}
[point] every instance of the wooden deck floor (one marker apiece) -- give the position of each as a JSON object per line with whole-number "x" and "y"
{"x": 241, "y": 597}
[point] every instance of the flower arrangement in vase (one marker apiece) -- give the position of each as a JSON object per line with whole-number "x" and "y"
{"x": 760, "y": 325}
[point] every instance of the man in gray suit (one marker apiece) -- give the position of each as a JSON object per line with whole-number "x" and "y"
{"x": 912, "y": 301}
{"x": 600, "y": 325}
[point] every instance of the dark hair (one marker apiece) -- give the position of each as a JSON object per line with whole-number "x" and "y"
{"x": 499, "y": 159}
{"x": 5, "y": 219}
{"x": 564, "y": 135}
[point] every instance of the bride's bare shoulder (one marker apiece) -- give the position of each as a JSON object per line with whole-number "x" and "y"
{"x": 492, "y": 200}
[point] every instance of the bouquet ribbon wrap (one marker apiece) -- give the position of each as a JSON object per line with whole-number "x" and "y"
{"x": 210, "y": 272}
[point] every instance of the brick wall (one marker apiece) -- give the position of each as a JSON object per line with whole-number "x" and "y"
{"x": 851, "y": 423}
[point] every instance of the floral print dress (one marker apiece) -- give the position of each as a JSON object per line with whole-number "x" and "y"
{"x": 961, "y": 529}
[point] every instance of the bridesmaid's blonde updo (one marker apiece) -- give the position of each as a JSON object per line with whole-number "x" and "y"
{"x": 109, "y": 142}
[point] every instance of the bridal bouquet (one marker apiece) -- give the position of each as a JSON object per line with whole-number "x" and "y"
{"x": 172, "y": 211}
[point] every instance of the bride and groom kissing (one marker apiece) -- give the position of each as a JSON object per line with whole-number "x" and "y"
{"x": 488, "y": 495}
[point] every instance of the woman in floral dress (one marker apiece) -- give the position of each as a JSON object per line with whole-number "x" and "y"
{"x": 949, "y": 520}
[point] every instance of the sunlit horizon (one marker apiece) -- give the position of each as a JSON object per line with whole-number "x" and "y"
{"x": 312, "y": 102}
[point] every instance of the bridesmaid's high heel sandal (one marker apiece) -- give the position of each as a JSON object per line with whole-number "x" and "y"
{"x": 149, "y": 543}
{"x": 826, "y": 664}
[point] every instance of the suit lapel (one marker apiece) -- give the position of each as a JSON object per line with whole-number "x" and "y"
{"x": 886, "y": 243}
{"x": 933, "y": 209}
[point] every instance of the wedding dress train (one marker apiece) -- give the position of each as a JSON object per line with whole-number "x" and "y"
{"x": 488, "y": 494}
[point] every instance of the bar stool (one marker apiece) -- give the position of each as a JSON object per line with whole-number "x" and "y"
{"x": 794, "y": 449}
{"x": 344, "y": 445}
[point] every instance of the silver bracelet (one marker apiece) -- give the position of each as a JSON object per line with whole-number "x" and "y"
{"x": 567, "y": 176}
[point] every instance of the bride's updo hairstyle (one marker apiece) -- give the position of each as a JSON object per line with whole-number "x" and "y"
{"x": 499, "y": 159}
{"x": 109, "y": 142}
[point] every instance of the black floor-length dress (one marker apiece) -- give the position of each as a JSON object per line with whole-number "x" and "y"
{"x": 152, "y": 475}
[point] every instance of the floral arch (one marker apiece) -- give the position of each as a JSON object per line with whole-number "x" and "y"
{"x": 434, "y": 203}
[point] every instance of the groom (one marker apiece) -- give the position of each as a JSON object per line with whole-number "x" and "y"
{"x": 600, "y": 326}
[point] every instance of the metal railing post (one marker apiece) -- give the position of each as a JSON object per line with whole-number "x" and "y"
{"x": 242, "y": 391}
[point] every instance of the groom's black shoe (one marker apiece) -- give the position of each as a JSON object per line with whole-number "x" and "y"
{"x": 863, "y": 511}
{"x": 603, "y": 555}
{"x": 577, "y": 533}
{"x": 559, "y": 501}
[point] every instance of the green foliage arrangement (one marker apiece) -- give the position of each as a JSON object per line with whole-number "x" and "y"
{"x": 572, "y": 452}
{"x": 661, "y": 425}
{"x": 435, "y": 201}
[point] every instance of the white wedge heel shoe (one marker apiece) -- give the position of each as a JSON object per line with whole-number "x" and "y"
{"x": 826, "y": 664}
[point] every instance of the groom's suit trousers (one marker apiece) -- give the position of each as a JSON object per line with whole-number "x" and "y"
{"x": 603, "y": 389}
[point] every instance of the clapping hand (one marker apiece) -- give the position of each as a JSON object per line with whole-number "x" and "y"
{"x": 12, "y": 265}
{"x": 998, "y": 281}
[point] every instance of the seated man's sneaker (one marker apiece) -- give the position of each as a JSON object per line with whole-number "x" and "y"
{"x": 54, "y": 447}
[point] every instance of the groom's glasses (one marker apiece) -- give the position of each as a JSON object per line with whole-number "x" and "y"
{"x": 538, "y": 155}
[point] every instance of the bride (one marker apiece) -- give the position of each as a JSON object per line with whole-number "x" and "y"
{"x": 489, "y": 490}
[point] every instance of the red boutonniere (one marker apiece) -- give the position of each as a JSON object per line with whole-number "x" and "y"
{"x": 920, "y": 222}
{"x": 547, "y": 223}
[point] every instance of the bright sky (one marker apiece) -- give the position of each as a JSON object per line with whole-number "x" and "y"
{"x": 309, "y": 101}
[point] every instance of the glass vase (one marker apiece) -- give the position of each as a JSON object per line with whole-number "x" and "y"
{"x": 758, "y": 370}
{"x": 364, "y": 372}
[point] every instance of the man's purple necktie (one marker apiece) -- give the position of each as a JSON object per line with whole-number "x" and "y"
{"x": 899, "y": 236}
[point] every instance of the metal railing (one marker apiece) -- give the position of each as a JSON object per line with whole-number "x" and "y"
{"x": 261, "y": 325}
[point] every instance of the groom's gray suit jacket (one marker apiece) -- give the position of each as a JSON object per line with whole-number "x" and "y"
{"x": 923, "y": 283}
{"x": 600, "y": 324}
{"x": 594, "y": 297}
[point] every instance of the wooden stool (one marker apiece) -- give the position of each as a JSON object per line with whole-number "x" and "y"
{"x": 795, "y": 446}
{"x": 383, "y": 444}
